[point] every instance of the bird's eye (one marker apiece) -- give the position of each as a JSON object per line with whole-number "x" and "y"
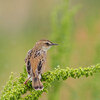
{"x": 47, "y": 44}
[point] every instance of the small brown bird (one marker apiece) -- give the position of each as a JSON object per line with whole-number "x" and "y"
{"x": 35, "y": 62}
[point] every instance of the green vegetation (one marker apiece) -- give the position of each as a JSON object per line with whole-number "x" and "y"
{"x": 62, "y": 33}
{"x": 76, "y": 31}
{"x": 15, "y": 88}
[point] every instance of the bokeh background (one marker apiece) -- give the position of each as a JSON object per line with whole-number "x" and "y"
{"x": 74, "y": 25}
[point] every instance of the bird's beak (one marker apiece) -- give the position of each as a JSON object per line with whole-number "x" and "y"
{"x": 53, "y": 44}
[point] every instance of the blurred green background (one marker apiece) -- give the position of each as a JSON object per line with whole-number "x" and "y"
{"x": 74, "y": 25}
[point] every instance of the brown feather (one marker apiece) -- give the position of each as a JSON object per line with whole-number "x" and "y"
{"x": 35, "y": 62}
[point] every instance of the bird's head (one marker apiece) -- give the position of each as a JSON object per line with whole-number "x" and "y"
{"x": 45, "y": 44}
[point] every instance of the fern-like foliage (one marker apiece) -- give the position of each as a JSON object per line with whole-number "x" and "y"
{"x": 16, "y": 90}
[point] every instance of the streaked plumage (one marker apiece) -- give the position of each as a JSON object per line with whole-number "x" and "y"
{"x": 35, "y": 62}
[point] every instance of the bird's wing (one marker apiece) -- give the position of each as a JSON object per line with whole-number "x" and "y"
{"x": 28, "y": 55}
{"x": 37, "y": 62}
{"x": 27, "y": 61}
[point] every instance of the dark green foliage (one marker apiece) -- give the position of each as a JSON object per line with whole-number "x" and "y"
{"x": 15, "y": 88}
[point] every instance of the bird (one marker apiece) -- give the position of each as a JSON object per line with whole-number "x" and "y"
{"x": 35, "y": 62}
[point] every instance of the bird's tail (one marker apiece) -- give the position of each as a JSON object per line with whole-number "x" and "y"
{"x": 36, "y": 83}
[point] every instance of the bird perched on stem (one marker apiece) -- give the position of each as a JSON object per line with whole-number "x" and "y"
{"x": 35, "y": 62}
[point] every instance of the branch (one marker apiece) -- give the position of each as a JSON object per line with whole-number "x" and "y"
{"x": 15, "y": 88}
